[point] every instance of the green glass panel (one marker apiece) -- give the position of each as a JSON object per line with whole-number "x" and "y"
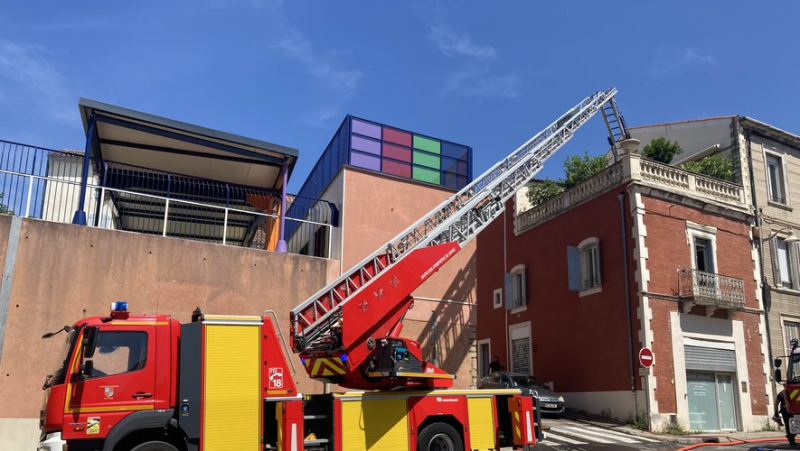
{"x": 426, "y": 159}
{"x": 431, "y": 145}
{"x": 426, "y": 175}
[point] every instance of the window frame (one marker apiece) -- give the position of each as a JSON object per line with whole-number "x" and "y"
{"x": 793, "y": 263}
{"x": 497, "y": 298}
{"x": 785, "y": 329}
{"x": 525, "y": 327}
{"x": 488, "y": 343}
{"x": 694, "y": 231}
{"x": 143, "y": 343}
{"x": 518, "y": 273}
{"x": 784, "y": 183}
{"x": 590, "y": 261}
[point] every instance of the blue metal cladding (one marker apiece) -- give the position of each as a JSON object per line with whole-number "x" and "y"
{"x": 359, "y": 143}
{"x": 375, "y": 147}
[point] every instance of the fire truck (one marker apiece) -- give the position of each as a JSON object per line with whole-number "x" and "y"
{"x": 224, "y": 383}
{"x": 791, "y": 394}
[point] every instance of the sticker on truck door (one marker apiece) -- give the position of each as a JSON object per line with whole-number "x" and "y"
{"x": 93, "y": 425}
{"x": 275, "y": 379}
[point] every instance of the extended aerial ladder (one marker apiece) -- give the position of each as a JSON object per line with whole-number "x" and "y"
{"x": 348, "y": 332}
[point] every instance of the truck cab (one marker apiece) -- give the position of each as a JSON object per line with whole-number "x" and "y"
{"x": 117, "y": 376}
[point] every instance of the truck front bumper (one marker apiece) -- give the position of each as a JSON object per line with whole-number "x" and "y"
{"x": 52, "y": 442}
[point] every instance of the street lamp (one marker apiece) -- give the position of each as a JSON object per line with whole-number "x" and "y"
{"x": 791, "y": 238}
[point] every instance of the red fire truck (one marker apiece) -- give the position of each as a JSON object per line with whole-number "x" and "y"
{"x": 224, "y": 383}
{"x": 791, "y": 394}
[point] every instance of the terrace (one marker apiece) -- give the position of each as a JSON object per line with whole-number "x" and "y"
{"x": 47, "y": 184}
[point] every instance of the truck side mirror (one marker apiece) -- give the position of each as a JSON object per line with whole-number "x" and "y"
{"x": 86, "y": 369}
{"x": 778, "y": 377}
{"x": 778, "y": 363}
{"x": 89, "y": 342}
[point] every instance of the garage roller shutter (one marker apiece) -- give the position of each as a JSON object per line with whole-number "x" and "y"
{"x": 710, "y": 359}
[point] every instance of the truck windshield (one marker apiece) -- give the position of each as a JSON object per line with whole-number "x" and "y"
{"x": 60, "y": 372}
{"x": 793, "y": 375}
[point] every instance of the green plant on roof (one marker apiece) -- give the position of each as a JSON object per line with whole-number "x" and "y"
{"x": 577, "y": 169}
{"x": 662, "y": 150}
{"x": 713, "y": 166}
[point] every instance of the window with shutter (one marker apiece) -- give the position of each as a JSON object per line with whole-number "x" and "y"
{"x": 516, "y": 288}
{"x": 776, "y": 185}
{"x": 584, "y": 267}
{"x": 785, "y": 259}
{"x": 791, "y": 329}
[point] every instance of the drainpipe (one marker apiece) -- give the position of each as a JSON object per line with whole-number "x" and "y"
{"x": 766, "y": 293}
{"x": 281, "y": 247}
{"x": 80, "y": 214}
{"x": 621, "y": 198}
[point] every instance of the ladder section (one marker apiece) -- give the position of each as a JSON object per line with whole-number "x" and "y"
{"x": 615, "y": 124}
{"x": 457, "y": 219}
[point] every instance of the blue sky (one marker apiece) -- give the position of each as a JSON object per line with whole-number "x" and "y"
{"x": 488, "y": 77}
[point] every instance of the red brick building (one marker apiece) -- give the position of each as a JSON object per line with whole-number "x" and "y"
{"x": 641, "y": 255}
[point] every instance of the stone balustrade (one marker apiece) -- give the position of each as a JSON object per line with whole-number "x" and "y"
{"x": 634, "y": 168}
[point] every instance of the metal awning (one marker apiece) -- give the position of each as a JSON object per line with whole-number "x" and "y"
{"x": 144, "y": 140}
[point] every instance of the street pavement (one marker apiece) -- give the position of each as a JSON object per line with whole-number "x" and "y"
{"x": 590, "y": 434}
{"x": 760, "y": 446}
{"x": 568, "y": 435}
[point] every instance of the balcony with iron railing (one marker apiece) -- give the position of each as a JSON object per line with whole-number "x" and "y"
{"x": 46, "y": 184}
{"x": 714, "y": 291}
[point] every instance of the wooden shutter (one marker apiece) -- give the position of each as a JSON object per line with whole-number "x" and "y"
{"x": 574, "y": 268}
{"x": 776, "y": 264}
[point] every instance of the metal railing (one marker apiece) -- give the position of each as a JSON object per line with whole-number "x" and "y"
{"x": 45, "y": 184}
{"x": 716, "y": 290}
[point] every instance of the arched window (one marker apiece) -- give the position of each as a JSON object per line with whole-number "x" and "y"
{"x": 584, "y": 266}
{"x": 516, "y": 288}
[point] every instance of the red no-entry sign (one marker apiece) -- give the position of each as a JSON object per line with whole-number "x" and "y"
{"x": 646, "y": 357}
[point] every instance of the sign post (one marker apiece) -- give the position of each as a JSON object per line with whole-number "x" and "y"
{"x": 646, "y": 359}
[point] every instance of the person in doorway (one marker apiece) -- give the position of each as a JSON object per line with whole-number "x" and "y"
{"x": 494, "y": 365}
{"x": 783, "y": 419}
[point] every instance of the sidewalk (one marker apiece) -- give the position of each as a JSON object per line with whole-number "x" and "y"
{"x": 691, "y": 439}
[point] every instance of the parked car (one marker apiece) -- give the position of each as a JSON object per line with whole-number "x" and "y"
{"x": 549, "y": 401}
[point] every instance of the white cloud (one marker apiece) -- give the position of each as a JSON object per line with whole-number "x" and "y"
{"x": 475, "y": 82}
{"x": 323, "y": 67}
{"x": 26, "y": 70}
{"x": 691, "y": 56}
{"x": 677, "y": 62}
{"x": 453, "y": 44}
{"x": 475, "y": 78}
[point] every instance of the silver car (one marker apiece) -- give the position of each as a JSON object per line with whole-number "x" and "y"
{"x": 549, "y": 401}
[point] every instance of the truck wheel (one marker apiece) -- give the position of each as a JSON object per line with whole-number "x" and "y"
{"x": 154, "y": 446}
{"x": 439, "y": 437}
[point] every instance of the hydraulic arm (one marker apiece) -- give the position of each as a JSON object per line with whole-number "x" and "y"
{"x": 348, "y": 332}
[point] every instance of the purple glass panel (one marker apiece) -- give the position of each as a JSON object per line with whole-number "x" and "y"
{"x": 366, "y": 129}
{"x": 365, "y": 145}
{"x": 396, "y": 152}
{"x": 365, "y": 161}
{"x": 462, "y": 167}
